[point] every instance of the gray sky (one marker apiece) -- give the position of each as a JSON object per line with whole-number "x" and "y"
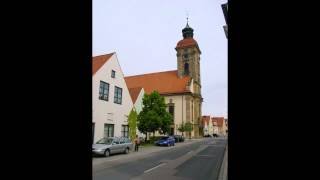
{"x": 144, "y": 34}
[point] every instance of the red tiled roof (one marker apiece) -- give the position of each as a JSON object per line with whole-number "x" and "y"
{"x": 186, "y": 42}
{"x": 134, "y": 93}
{"x": 166, "y": 82}
{"x": 218, "y": 120}
{"x": 205, "y": 119}
{"x": 98, "y": 62}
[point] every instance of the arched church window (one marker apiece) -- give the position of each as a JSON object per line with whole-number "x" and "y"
{"x": 186, "y": 69}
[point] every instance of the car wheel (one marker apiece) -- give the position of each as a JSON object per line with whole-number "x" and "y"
{"x": 107, "y": 153}
{"x": 126, "y": 151}
{"x": 168, "y": 144}
{"x": 173, "y": 144}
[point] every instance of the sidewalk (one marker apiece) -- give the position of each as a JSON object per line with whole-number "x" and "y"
{"x": 223, "y": 174}
{"x": 143, "y": 152}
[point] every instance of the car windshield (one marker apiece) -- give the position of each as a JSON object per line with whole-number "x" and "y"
{"x": 105, "y": 141}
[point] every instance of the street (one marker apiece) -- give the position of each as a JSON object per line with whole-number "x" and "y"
{"x": 198, "y": 159}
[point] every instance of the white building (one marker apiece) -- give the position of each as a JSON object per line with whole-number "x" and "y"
{"x": 208, "y": 128}
{"x": 111, "y": 101}
{"x": 137, "y": 97}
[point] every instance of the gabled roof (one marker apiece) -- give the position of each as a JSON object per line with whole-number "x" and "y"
{"x": 99, "y": 61}
{"x": 134, "y": 93}
{"x": 205, "y": 119}
{"x": 166, "y": 82}
{"x": 218, "y": 120}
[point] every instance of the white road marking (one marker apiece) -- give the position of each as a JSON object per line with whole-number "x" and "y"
{"x": 189, "y": 152}
{"x": 154, "y": 167}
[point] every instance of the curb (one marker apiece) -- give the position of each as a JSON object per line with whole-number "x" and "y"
{"x": 223, "y": 173}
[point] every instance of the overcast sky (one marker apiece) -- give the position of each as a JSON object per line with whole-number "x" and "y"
{"x": 144, "y": 34}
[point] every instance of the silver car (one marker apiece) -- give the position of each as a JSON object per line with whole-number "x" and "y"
{"x": 112, "y": 145}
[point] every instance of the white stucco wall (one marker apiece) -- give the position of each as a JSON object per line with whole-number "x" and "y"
{"x": 208, "y": 128}
{"x": 179, "y": 110}
{"x": 108, "y": 111}
{"x": 138, "y": 104}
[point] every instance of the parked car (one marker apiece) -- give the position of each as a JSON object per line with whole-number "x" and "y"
{"x": 207, "y": 135}
{"x": 178, "y": 138}
{"x": 166, "y": 141}
{"x": 112, "y": 145}
{"x": 215, "y": 135}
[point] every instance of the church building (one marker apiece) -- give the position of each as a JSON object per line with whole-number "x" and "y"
{"x": 181, "y": 88}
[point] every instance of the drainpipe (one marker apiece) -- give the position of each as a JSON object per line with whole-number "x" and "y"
{"x": 182, "y": 113}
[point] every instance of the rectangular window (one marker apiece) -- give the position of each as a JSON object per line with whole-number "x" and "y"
{"x": 117, "y": 95}
{"x": 113, "y": 74}
{"x": 125, "y": 131}
{"x": 104, "y": 91}
{"x": 108, "y": 130}
{"x": 171, "y": 111}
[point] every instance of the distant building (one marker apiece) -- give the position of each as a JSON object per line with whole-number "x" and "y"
{"x": 207, "y": 125}
{"x": 219, "y": 125}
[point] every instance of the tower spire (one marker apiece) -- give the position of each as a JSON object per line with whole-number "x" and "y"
{"x": 187, "y": 20}
{"x": 187, "y": 17}
{"x": 187, "y": 31}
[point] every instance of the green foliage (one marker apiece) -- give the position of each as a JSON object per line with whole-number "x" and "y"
{"x": 185, "y": 127}
{"x": 154, "y": 116}
{"x": 181, "y": 128}
{"x": 132, "y": 122}
{"x": 188, "y": 127}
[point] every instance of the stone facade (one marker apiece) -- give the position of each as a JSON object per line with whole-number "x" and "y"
{"x": 188, "y": 63}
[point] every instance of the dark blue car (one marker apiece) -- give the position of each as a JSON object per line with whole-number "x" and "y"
{"x": 166, "y": 141}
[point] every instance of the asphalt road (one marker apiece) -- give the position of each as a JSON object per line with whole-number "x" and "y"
{"x": 196, "y": 161}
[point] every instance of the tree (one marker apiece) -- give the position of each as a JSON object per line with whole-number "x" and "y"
{"x": 154, "y": 116}
{"x": 188, "y": 128}
{"x": 182, "y": 128}
{"x": 132, "y": 122}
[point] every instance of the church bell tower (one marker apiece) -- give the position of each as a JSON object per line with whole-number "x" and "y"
{"x": 188, "y": 64}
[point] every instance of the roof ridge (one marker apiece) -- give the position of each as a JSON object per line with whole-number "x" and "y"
{"x": 104, "y": 55}
{"x": 151, "y": 73}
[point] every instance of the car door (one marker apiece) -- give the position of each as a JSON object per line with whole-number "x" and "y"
{"x": 122, "y": 145}
{"x": 115, "y": 146}
{"x": 128, "y": 143}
